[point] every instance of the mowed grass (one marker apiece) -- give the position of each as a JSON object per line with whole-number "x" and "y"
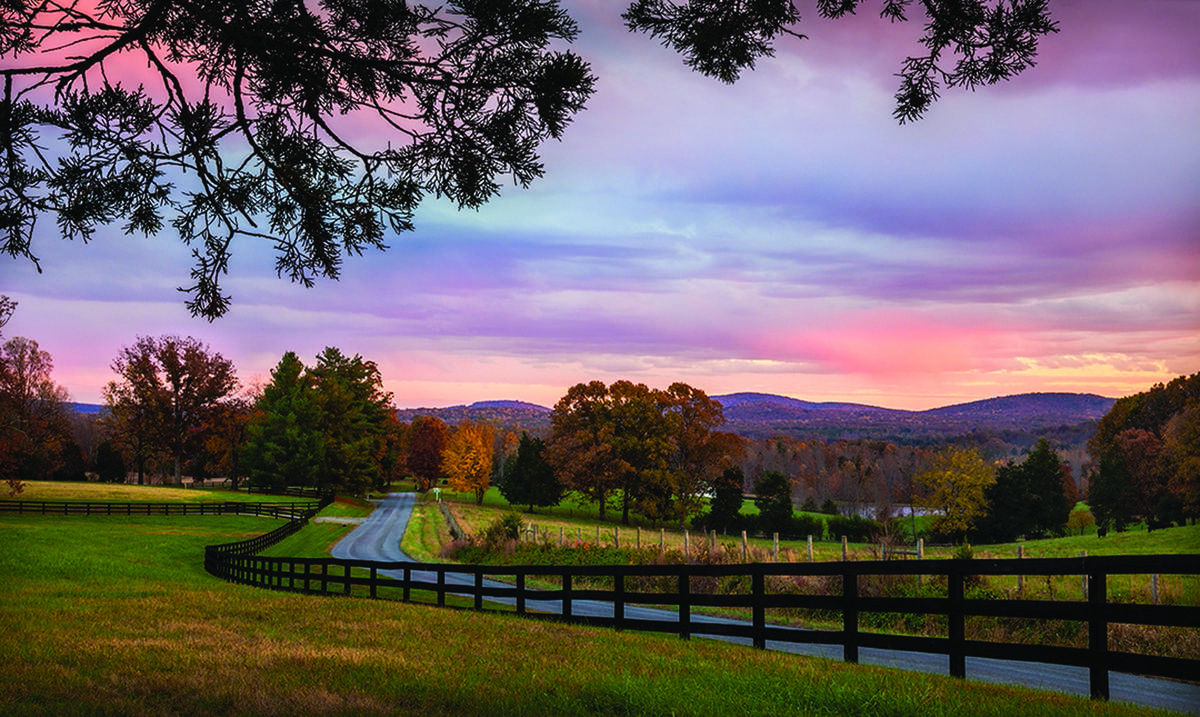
{"x": 116, "y": 616}
{"x": 124, "y": 493}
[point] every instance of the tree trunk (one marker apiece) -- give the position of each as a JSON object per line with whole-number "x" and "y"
{"x": 479, "y": 497}
{"x": 141, "y": 461}
{"x": 178, "y": 471}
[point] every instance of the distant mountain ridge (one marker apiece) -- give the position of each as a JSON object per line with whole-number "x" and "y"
{"x": 509, "y": 404}
{"x": 763, "y": 415}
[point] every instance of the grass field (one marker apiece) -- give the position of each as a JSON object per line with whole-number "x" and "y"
{"x": 117, "y": 616}
{"x": 120, "y": 492}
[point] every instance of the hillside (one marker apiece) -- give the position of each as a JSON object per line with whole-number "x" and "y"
{"x": 1067, "y": 418}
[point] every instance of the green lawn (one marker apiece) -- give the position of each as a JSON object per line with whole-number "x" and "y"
{"x": 117, "y": 616}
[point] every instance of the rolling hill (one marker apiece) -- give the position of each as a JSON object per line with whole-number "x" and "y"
{"x": 762, "y": 415}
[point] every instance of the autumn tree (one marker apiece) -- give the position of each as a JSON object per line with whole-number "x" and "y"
{"x": 249, "y": 102}
{"x": 171, "y": 385}
{"x": 34, "y": 428}
{"x": 1181, "y": 457}
{"x": 699, "y": 452}
{"x": 642, "y": 445}
{"x": 135, "y": 407}
{"x": 529, "y": 480}
{"x": 954, "y": 487}
{"x": 580, "y": 445}
{"x": 467, "y": 458}
{"x": 227, "y": 434}
{"x": 427, "y": 440}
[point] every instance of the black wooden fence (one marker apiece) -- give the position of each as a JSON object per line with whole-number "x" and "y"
{"x": 238, "y": 562}
{"x": 333, "y": 576}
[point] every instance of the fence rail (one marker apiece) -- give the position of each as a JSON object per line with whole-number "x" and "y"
{"x": 286, "y": 511}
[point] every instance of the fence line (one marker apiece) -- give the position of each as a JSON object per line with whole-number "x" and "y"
{"x": 343, "y": 576}
{"x": 238, "y": 562}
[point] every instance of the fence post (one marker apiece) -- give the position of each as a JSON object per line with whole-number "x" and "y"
{"x": 346, "y": 577}
{"x": 373, "y": 578}
{"x": 954, "y": 590}
{"x": 845, "y": 550}
{"x": 686, "y": 540}
{"x": 745, "y": 547}
{"x": 685, "y": 606}
{"x": 810, "y": 558}
{"x": 760, "y": 639}
{"x": 662, "y": 539}
{"x": 520, "y": 593}
{"x": 534, "y": 532}
{"x": 1083, "y": 581}
{"x": 712, "y": 540}
{"x": 616, "y": 537}
{"x": 566, "y": 601}
{"x": 478, "y": 588}
{"x": 307, "y": 573}
{"x": 849, "y": 616}
{"x": 1098, "y": 634}
{"x": 441, "y": 587}
{"x": 775, "y": 548}
{"x": 597, "y": 536}
{"x": 407, "y": 583}
{"x": 324, "y": 576}
{"x": 1020, "y": 578}
{"x": 639, "y": 537}
{"x": 561, "y": 535}
{"x": 618, "y": 601}
{"x": 1154, "y": 588}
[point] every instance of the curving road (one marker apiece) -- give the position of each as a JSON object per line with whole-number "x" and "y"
{"x": 378, "y": 538}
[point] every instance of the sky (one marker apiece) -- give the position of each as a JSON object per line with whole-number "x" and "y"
{"x": 783, "y": 234}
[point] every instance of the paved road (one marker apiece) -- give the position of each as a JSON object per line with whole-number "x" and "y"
{"x": 378, "y": 538}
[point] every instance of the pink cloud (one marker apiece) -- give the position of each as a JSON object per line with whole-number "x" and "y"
{"x": 894, "y": 343}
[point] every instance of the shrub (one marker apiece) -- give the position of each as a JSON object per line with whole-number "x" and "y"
{"x": 856, "y": 528}
{"x": 805, "y": 525}
{"x": 506, "y": 527}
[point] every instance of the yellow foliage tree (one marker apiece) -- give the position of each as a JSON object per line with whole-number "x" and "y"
{"x": 954, "y": 486}
{"x": 467, "y": 458}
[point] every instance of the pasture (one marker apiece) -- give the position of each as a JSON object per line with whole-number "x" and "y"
{"x": 116, "y": 615}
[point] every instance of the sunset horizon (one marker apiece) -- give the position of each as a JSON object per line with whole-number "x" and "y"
{"x": 781, "y": 235}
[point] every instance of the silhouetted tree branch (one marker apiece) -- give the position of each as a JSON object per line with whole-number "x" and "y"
{"x": 319, "y": 126}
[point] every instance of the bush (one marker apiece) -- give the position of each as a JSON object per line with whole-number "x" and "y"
{"x": 506, "y": 527}
{"x": 828, "y": 507}
{"x": 805, "y": 525}
{"x": 856, "y": 528}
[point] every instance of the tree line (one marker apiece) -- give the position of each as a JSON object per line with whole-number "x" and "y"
{"x": 1147, "y": 455}
{"x": 177, "y": 408}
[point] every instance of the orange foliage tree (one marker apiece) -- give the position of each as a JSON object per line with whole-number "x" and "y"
{"x": 467, "y": 459}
